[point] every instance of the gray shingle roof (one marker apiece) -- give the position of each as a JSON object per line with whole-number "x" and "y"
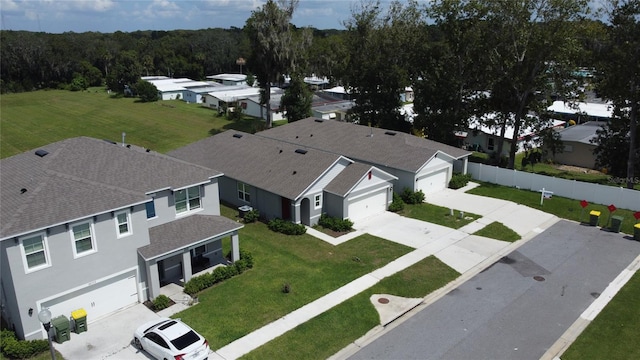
{"x": 582, "y": 133}
{"x": 264, "y": 163}
{"x": 184, "y": 232}
{"x": 400, "y": 151}
{"x": 347, "y": 179}
{"x": 80, "y": 177}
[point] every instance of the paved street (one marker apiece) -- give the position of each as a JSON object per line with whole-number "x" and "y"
{"x": 518, "y": 307}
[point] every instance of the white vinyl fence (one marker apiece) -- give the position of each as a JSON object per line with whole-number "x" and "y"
{"x": 600, "y": 194}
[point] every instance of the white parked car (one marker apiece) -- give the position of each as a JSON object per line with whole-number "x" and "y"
{"x": 171, "y": 339}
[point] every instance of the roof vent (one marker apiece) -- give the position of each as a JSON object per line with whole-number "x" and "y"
{"x": 390, "y": 133}
{"x": 23, "y": 190}
{"x": 41, "y": 153}
{"x": 294, "y": 172}
{"x": 237, "y": 136}
{"x": 280, "y": 152}
{"x": 319, "y": 120}
{"x": 311, "y": 135}
{"x": 301, "y": 151}
{"x": 110, "y": 141}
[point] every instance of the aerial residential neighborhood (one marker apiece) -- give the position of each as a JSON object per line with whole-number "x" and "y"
{"x": 442, "y": 180}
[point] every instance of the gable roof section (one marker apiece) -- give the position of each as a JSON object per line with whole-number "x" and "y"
{"x": 265, "y": 163}
{"x": 81, "y": 177}
{"x": 362, "y": 143}
{"x": 351, "y": 176}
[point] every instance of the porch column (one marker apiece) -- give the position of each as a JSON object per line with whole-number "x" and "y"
{"x": 465, "y": 162}
{"x": 235, "y": 247}
{"x": 186, "y": 265}
{"x": 153, "y": 279}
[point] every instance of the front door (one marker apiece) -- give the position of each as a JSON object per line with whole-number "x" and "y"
{"x": 286, "y": 209}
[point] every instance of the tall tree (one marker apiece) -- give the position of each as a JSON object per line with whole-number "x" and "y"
{"x": 449, "y": 70}
{"x": 296, "y": 101}
{"x": 377, "y": 70}
{"x": 273, "y": 46}
{"x": 533, "y": 49}
{"x": 618, "y": 80}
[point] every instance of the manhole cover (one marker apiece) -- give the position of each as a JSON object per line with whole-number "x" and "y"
{"x": 383, "y": 301}
{"x": 538, "y": 278}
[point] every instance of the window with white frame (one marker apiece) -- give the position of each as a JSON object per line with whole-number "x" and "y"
{"x": 35, "y": 252}
{"x": 187, "y": 199}
{"x": 244, "y": 192}
{"x": 123, "y": 223}
{"x": 82, "y": 236}
{"x": 317, "y": 201}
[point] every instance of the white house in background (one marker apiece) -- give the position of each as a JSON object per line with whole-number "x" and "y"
{"x": 173, "y": 88}
{"x": 316, "y": 82}
{"x": 407, "y": 95}
{"x": 224, "y": 95}
{"x": 196, "y": 94}
{"x": 582, "y": 112}
{"x": 338, "y": 92}
{"x": 229, "y": 79}
{"x": 480, "y": 137}
{"x": 336, "y": 110}
{"x": 251, "y": 106}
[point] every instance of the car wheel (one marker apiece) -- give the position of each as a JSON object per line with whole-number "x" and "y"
{"x": 138, "y": 344}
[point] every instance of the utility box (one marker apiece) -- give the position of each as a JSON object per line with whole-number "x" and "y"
{"x": 636, "y": 231}
{"x": 594, "y": 216}
{"x": 243, "y": 210}
{"x": 616, "y": 223}
{"x": 60, "y": 329}
{"x": 80, "y": 320}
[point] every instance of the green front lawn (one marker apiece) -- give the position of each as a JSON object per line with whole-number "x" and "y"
{"x": 560, "y": 206}
{"x": 331, "y": 331}
{"x": 311, "y": 267}
{"x": 497, "y": 230}
{"x": 438, "y": 215}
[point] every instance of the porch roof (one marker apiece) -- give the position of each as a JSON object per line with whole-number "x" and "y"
{"x": 175, "y": 235}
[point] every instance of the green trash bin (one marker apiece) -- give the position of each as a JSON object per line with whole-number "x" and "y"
{"x": 80, "y": 320}
{"x": 594, "y": 217}
{"x": 636, "y": 232}
{"x": 60, "y": 329}
{"x": 616, "y": 223}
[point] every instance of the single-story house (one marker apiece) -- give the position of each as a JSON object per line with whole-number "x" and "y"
{"x": 229, "y": 79}
{"x": 97, "y": 225}
{"x": 173, "y": 88}
{"x": 336, "y": 110}
{"x": 582, "y": 111}
{"x": 416, "y": 163}
{"x": 578, "y": 148}
{"x": 338, "y": 92}
{"x": 196, "y": 94}
{"x": 483, "y": 138}
{"x": 251, "y": 106}
{"x": 288, "y": 181}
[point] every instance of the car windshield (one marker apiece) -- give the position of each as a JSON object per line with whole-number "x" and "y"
{"x": 185, "y": 340}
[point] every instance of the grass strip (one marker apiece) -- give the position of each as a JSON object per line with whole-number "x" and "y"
{"x": 437, "y": 215}
{"x": 497, "y": 230}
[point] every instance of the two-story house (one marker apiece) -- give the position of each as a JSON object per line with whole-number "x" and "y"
{"x": 88, "y": 223}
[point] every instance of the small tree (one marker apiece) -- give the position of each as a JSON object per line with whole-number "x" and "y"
{"x": 146, "y": 91}
{"x": 296, "y": 101}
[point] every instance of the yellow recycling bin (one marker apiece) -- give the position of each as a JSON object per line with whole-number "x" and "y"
{"x": 80, "y": 319}
{"x": 594, "y": 217}
{"x": 636, "y": 231}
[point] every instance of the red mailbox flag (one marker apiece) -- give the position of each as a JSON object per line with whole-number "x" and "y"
{"x": 584, "y": 203}
{"x": 611, "y": 208}
{"x": 636, "y": 215}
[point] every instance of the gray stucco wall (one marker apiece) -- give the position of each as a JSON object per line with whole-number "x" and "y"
{"x": 166, "y": 212}
{"x": 66, "y": 272}
{"x": 268, "y": 204}
{"x": 334, "y": 205}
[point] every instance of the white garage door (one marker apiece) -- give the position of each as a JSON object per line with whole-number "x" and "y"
{"x": 434, "y": 182}
{"x": 98, "y": 300}
{"x": 368, "y": 205}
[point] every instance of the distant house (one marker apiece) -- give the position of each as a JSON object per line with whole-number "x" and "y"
{"x": 582, "y": 112}
{"x": 483, "y": 138}
{"x": 336, "y": 110}
{"x": 91, "y": 224}
{"x": 229, "y": 79}
{"x": 338, "y": 92}
{"x": 251, "y": 106}
{"x": 578, "y": 148}
{"x": 288, "y": 181}
{"x": 407, "y": 95}
{"x": 173, "y": 88}
{"x": 225, "y": 97}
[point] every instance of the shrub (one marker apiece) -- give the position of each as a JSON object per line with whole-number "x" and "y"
{"x": 251, "y": 216}
{"x": 286, "y": 288}
{"x": 219, "y": 274}
{"x": 411, "y": 197}
{"x": 286, "y": 227}
{"x": 335, "y": 224}
{"x": 397, "y": 204}
{"x": 21, "y": 349}
{"x": 459, "y": 180}
{"x": 161, "y": 302}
